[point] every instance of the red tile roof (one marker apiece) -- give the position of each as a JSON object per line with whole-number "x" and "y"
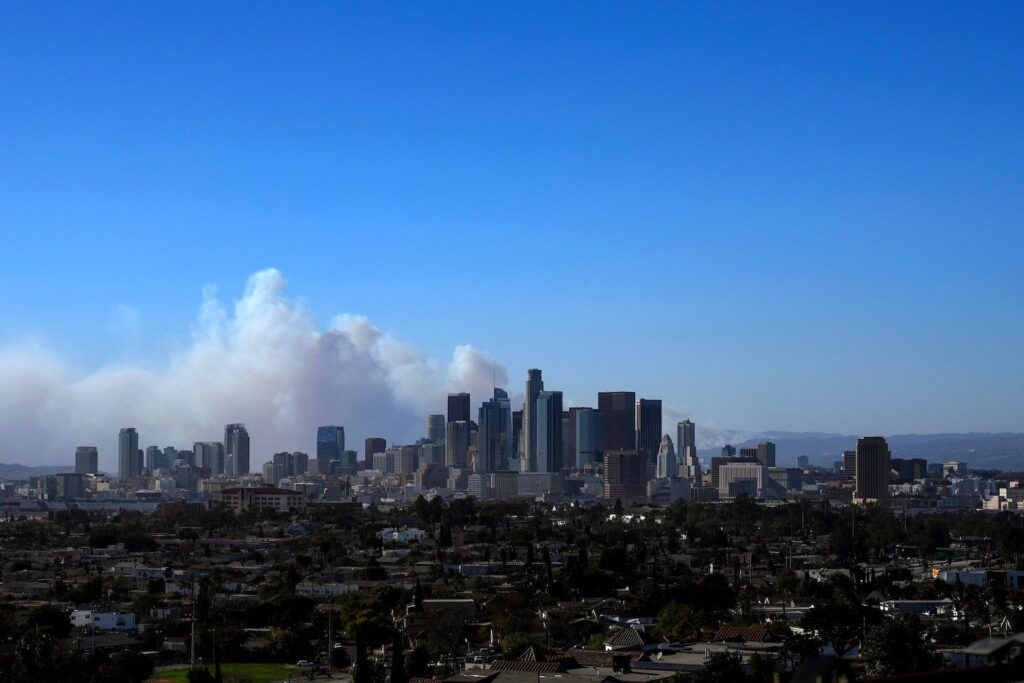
{"x": 747, "y": 634}
{"x": 625, "y": 638}
{"x": 601, "y": 658}
{"x": 532, "y": 667}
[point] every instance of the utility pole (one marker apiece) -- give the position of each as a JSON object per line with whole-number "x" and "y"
{"x": 192, "y": 649}
{"x": 330, "y": 638}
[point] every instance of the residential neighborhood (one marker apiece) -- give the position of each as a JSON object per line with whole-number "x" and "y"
{"x": 448, "y": 587}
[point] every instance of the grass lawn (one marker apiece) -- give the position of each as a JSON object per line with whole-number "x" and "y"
{"x": 257, "y": 673}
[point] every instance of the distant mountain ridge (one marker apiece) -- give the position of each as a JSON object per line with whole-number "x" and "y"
{"x": 18, "y": 472}
{"x": 980, "y": 450}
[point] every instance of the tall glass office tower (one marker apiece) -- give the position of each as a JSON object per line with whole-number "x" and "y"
{"x": 330, "y": 444}
{"x": 236, "y": 449}
{"x": 127, "y": 453}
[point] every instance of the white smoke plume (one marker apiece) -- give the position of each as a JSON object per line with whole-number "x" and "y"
{"x": 709, "y": 434}
{"x": 265, "y": 363}
{"x": 477, "y": 372}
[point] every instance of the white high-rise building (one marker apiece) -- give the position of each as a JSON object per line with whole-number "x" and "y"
{"x": 666, "y": 459}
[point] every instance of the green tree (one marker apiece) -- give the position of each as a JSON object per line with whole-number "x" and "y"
{"x": 722, "y": 667}
{"x": 894, "y": 646}
{"x": 284, "y": 644}
{"x": 50, "y": 617}
{"x": 393, "y": 596}
{"x": 130, "y": 667}
{"x": 436, "y": 509}
{"x": 678, "y": 622}
{"x": 516, "y": 644}
{"x": 713, "y": 598}
{"x": 422, "y": 510}
{"x": 398, "y": 674}
{"x": 103, "y": 536}
{"x": 138, "y": 541}
{"x": 361, "y": 667}
{"x": 512, "y": 613}
{"x": 836, "y": 623}
{"x": 291, "y": 611}
{"x": 37, "y": 658}
{"x": 798, "y": 646}
{"x": 417, "y": 662}
{"x": 363, "y": 616}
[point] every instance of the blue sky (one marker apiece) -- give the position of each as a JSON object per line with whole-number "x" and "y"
{"x": 771, "y": 216}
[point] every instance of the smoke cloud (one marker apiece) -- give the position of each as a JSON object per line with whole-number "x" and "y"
{"x": 709, "y": 434}
{"x": 476, "y": 372}
{"x": 264, "y": 363}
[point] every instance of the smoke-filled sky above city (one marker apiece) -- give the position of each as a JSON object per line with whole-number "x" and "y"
{"x": 799, "y": 218}
{"x": 263, "y": 362}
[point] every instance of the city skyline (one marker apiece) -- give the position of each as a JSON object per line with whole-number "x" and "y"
{"x": 412, "y": 387}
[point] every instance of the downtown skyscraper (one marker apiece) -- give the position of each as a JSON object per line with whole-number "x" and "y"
{"x": 534, "y": 385}
{"x": 155, "y": 459}
{"x": 456, "y": 444}
{"x": 618, "y": 419}
{"x": 666, "y": 467}
{"x": 458, "y": 407}
{"x": 589, "y": 437}
{"x": 686, "y": 443}
{"x": 209, "y": 455}
{"x": 648, "y": 428}
{"x": 872, "y": 470}
{"x": 766, "y": 453}
{"x": 128, "y": 454}
{"x": 330, "y": 443}
{"x": 435, "y": 429}
{"x": 87, "y": 459}
{"x": 376, "y": 444}
{"x": 625, "y": 475}
{"x": 550, "y": 444}
{"x": 494, "y": 436}
{"x": 236, "y": 450}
